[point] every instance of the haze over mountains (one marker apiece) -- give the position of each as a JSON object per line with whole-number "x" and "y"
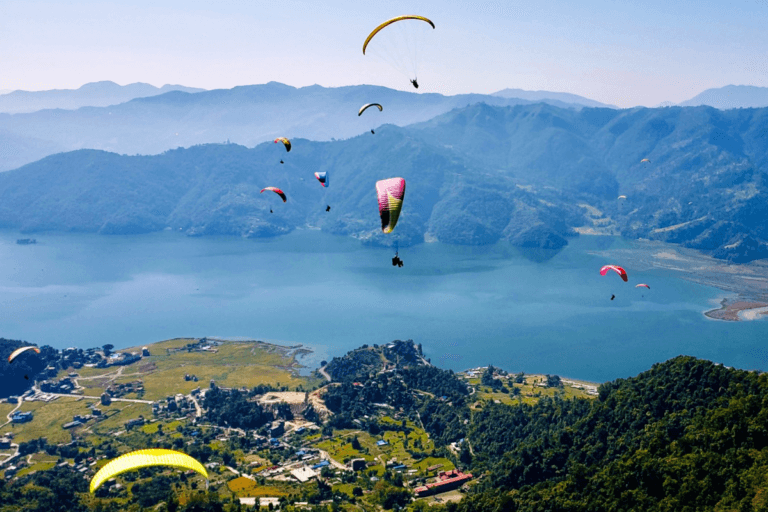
{"x": 731, "y": 96}
{"x": 246, "y": 115}
{"x": 530, "y": 174}
{"x": 94, "y": 94}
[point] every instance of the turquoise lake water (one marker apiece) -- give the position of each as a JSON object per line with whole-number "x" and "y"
{"x": 468, "y": 306}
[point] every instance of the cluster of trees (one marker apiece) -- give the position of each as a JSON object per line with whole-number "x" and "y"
{"x": 436, "y": 381}
{"x": 355, "y": 365}
{"x": 232, "y": 408}
{"x": 686, "y": 435}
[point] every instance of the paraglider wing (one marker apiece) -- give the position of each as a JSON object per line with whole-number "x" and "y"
{"x": 143, "y": 459}
{"x": 622, "y": 197}
{"x": 18, "y": 351}
{"x": 390, "y": 193}
{"x": 285, "y": 141}
{"x": 389, "y": 22}
{"x": 322, "y": 177}
{"x": 365, "y": 107}
{"x": 276, "y": 191}
{"x": 615, "y": 268}
{"x": 645, "y": 160}
{"x": 642, "y": 285}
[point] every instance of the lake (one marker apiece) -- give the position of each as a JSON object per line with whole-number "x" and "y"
{"x": 468, "y": 306}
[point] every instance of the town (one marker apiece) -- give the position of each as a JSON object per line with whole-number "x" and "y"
{"x": 362, "y": 429}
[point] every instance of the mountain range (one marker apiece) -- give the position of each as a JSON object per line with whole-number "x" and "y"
{"x": 246, "y": 115}
{"x": 529, "y": 174}
{"x": 94, "y": 94}
{"x": 730, "y": 96}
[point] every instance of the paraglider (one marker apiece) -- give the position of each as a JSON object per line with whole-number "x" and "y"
{"x": 372, "y": 131}
{"x": 645, "y": 160}
{"x": 366, "y": 106}
{"x": 390, "y": 193}
{"x": 615, "y": 268}
{"x": 613, "y": 296}
{"x": 276, "y": 191}
{"x": 322, "y": 177}
{"x": 21, "y": 350}
{"x": 622, "y": 197}
{"x": 399, "y": 48}
{"x": 143, "y": 459}
{"x": 642, "y": 285}
{"x": 285, "y": 141}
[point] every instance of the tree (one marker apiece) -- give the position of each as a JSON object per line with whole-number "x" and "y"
{"x": 107, "y": 349}
{"x": 355, "y": 443}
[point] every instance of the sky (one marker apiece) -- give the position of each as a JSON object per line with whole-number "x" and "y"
{"x": 617, "y": 52}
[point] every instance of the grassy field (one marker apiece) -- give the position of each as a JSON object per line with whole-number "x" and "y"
{"x": 530, "y": 392}
{"x": 340, "y": 448}
{"x": 233, "y": 364}
{"x": 118, "y": 413}
{"x": 5, "y": 409}
{"x": 48, "y": 419}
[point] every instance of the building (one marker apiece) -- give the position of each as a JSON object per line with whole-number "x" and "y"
{"x": 303, "y": 474}
{"x": 71, "y": 424}
{"x": 382, "y": 442}
{"x": 446, "y": 481}
{"x": 21, "y": 417}
{"x": 4, "y": 443}
{"x": 277, "y": 429}
{"x": 322, "y": 464}
{"x": 137, "y": 422}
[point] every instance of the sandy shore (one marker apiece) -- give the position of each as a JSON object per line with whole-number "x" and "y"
{"x": 735, "y": 311}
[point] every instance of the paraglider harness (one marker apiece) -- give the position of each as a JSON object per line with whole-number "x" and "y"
{"x": 415, "y": 83}
{"x": 396, "y": 261}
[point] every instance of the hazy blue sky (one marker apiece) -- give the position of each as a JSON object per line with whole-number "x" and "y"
{"x": 625, "y": 53}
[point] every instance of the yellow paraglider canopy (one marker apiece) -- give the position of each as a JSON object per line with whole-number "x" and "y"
{"x": 144, "y": 459}
{"x": 389, "y": 22}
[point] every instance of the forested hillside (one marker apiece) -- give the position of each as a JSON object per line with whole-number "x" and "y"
{"x": 529, "y": 174}
{"x": 685, "y": 435}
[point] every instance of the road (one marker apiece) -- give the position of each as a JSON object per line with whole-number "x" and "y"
{"x": 334, "y": 463}
{"x": 135, "y": 400}
{"x": 16, "y": 454}
{"x": 8, "y": 417}
{"x": 198, "y": 410}
{"x": 324, "y": 373}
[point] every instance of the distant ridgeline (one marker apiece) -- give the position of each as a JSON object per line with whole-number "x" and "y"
{"x": 527, "y": 174}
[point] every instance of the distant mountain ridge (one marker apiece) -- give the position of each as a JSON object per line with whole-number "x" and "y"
{"x": 94, "y": 94}
{"x": 246, "y": 115}
{"x": 730, "y": 96}
{"x": 530, "y": 174}
{"x": 548, "y": 96}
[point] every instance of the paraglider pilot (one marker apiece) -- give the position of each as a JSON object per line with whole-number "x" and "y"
{"x": 396, "y": 261}
{"x": 613, "y": 296}
{"x": 415, "y": 83}
{"x": 328, "y": 208}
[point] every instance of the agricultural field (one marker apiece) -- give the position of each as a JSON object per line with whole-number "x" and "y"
{"x": 530, "y": 391}
{"x": 48, "y": 419}
{"x": 230, "y": 363}
{"x": 340, "y": 448}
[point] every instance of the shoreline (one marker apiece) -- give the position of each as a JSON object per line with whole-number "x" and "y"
{"x": 738, "y": 310}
